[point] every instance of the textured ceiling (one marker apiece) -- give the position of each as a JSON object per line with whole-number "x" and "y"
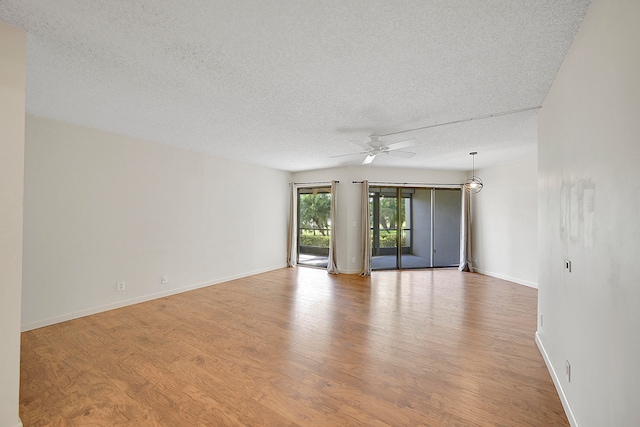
{"x": 287, "y": 84}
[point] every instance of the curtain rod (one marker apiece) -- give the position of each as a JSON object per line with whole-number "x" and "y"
{"x": 317, "y": 182}
{"x": 422, "y": 184}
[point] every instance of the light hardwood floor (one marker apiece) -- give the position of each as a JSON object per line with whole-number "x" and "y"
{"x": 299, "y": 347}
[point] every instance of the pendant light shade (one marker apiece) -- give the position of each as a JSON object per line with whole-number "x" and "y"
{"x": 473, "y": 184}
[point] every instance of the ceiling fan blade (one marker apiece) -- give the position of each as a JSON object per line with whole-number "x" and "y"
{"x": 369, "y": 159}
{"x": 404, "y": 154}
{"x": 350, "y": 154}
{"x": 362, "y": 145}
{"x": 402, "y": 144}
{"x": 354, "y": 129}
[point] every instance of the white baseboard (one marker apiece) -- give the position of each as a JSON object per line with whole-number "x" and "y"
{"x": 556, "y": 382}
{"x": 143, "y": 298}
{"x": 507, "y": 278}
{"x": 46, "y": 322}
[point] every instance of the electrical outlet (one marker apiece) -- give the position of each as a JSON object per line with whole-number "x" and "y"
{"x": 121, "y": 286}
{"x": 541, "y": 320}
{"x": 567, "y": 265}
{"x": 567, "y": 368}
{"x": 164, "y": 279}
{"x": 353, "y": 260}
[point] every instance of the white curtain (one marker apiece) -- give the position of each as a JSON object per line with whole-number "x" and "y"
{"x": 332, "y": 265}
{"x": 366, "y": 230}
{"x": 465, "y": 233}
{"x": 292, "y": 237}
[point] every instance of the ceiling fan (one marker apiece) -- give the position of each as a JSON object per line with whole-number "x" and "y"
{"x": 376, "y": 147}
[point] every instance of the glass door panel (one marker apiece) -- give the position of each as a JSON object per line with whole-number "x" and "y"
{"x": 314, "y": 226}
{"x": 446, "y": 227}
{"x": 416, "y": 230}
{"x": 384, "y": 228}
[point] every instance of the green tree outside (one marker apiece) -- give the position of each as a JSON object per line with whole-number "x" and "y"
{"x": 315, "y": 217}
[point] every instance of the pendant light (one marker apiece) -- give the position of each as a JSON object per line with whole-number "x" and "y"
{"x": 473, "y": 184}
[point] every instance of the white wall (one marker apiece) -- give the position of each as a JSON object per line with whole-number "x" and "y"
{"x": 589, "y": 198}
{"x": 505, "y": 222}
{"x": 13, "y": 48}
{"x": 348, "y": 227}
{"x": 102, "y": 208}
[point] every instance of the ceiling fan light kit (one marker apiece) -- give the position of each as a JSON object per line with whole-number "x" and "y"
{"x": 369, "y": 159}
{"x": 473, "y": 184}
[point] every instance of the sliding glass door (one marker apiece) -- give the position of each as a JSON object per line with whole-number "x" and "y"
{"x": 414, "y": 227}
{"x": 314, "y": 226}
